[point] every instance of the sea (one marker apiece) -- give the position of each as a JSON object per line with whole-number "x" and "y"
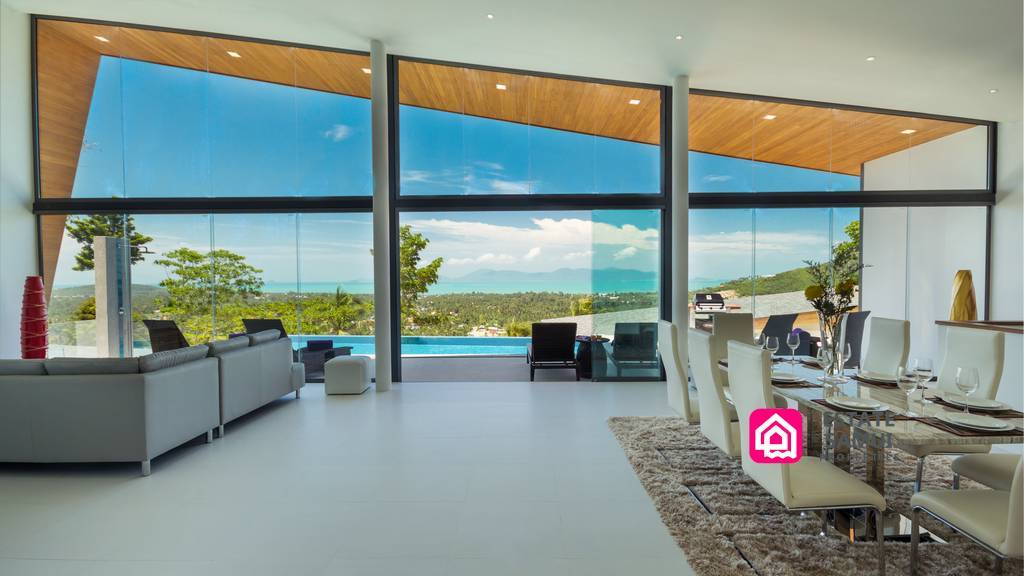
{"x": 449, "y": 287}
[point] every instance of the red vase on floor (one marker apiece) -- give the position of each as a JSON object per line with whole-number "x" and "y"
{"x": 34, "y": 339}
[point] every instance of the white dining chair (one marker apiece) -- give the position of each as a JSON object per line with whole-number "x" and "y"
{"x": 888, "y": 346}
{"x": 675, "y": 373}
{"x": 717, "y": 415}
{"x": 981, "y": 349}
{"x": 993, "y": 519}
{"x": 992, "y": 470}
{"x": 811, "y": 483}
{"x": 738, "y": 326}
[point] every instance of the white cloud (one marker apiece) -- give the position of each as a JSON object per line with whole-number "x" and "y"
{"x": 583, "y": 255}
{"x": 486, "y": 258}
{"x": 533, "y": 253}
{"x": 338, "y": 132}
{"x": 717, "y": 178}
{"x": 489, "y": 165}
{"x": 625, "y": 253}
{"x": 741, "y": 242}
{"x": 510, "y": 186}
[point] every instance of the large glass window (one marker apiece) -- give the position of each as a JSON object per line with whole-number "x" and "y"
{"x": 739, "y": 144}
{"x": 469, "y": 131}
{"x": 126, "y": 112}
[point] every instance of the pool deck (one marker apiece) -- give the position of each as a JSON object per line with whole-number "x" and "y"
{"x": 476, "y": 369}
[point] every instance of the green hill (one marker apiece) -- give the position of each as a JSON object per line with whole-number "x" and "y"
{"x": 794, "y": 280}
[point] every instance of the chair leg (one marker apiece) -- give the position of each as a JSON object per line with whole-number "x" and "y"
{"x": 919, "y": 474}
{"x": 915, "y": 539}
{"x": 956, "y": 481}
{"x": 880, "y": 534}
{"x": 824, "y": 523}
{"x": 998, "y": 567}
{"x": 532, "y": 370}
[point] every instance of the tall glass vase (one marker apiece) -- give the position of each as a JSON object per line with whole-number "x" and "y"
{"x": 828, "y": 327}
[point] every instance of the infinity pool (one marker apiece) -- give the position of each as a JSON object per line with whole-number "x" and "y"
{"x": 431, "y": 345}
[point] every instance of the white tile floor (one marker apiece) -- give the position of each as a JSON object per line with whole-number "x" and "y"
{"x": 428, "y": 479}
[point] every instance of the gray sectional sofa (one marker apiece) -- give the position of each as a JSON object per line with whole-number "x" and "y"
{"x": 135, "y": 409}
{"x": 254, "y": 370}
{"x": 106, "y": 409}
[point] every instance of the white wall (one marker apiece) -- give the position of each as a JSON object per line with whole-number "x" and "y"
{"x": 884, "y": 280}
{"x": 955, "y": 162}
{"x": 18, "y": 254}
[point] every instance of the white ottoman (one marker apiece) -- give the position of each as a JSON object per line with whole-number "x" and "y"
{"x": 347, "y": 375}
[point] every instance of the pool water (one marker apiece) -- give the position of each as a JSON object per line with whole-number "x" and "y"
{"x": 432, "y": 345}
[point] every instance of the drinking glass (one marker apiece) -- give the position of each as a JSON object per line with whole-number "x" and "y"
{"x": 771, "y": 344}
{"x": 793, "y": 341}
{"x": 844, "y": 357}
{"x": 907, "y": 380}
{"x": 922, "y": 367}
{"x": 967, "y": 382}
{"x": 760, "y": 340}
{"x": 825, "y": 361}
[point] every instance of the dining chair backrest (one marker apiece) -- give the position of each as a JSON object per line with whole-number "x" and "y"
{"x": 675, "y": 374}
{"x": 888, "y": 346}
{"x": 737, "y": 326}
{"x": 981, "y": 349}
{"x": 779, "y": 325}
{"x": 1013, "y": 546}
{"x": 750, "y": 370}
{"x": 851, "y": 331}
{"x": 715, "y": 410}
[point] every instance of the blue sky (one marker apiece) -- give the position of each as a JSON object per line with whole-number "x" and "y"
{"x": 162, "y": 131}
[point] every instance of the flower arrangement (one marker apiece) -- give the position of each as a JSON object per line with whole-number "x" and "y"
{"x": 832, "y": 295}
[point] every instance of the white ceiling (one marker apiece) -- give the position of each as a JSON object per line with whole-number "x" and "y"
{"x": 937, "y": 56}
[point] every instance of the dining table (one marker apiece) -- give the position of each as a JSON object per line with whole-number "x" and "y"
{"x": 831, "y": 431}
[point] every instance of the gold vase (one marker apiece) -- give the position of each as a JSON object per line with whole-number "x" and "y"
{"x": 964, "y": 307}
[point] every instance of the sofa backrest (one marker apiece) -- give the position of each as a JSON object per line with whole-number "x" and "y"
{"x": 171, "y": 358}
{"x": 87, "y": 366}
{"x": 22, "y": 368}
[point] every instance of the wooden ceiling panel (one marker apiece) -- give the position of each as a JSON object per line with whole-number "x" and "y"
{"x": 337, "y": 72}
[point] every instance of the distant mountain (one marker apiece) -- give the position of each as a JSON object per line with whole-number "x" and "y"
{"x": 555, "y": 277}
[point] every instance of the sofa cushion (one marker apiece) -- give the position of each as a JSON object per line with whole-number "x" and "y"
{"x": 22, "y": 368}
{"x": 264, "y": 336}
{"x": 224, "y": 346}
{"x": 171, "y": 358}
{"x": 73, "y": 366}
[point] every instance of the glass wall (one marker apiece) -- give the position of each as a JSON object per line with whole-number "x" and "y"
{"x": 470, "y": 131}
{"x": 314, "y": 272}
{"x": 758, "y": 259}
{"x": 133, "y": 113}
{"x": 740, "y": 144}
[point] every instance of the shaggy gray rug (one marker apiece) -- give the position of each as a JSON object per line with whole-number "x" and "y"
{"x": 744, "y": 530}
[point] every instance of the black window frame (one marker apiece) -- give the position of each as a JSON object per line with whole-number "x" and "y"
{"x": 661, "y": 201}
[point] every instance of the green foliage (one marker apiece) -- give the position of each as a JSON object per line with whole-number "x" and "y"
{"x": 85, "y": 311}
{"x": 582, "y": 306}
{"x": 518, "y": 328}
{"x": 846, "y": 254}
{"x": 85, "y": 228}
{"x": 414, "y": 279}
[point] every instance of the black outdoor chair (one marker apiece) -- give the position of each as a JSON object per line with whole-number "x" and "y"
{"x": 779, "y": 325}
{"x": 552, "y": 345}
{"x": 165, "y": 335}
{"x": 635, "y": 345}
{"x": 851, "y": 332}
{"x": 705, "y": 301}
{"x": 254, "y": 325}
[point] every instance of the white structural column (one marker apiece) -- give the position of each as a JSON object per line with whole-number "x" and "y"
{"x": 680, "y": 223}
{"x": 381, "y": 219}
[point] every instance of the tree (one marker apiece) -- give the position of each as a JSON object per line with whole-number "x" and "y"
{"x": 196, "y": 281}
{"x": 846, "y": 254}
{"x": 86, "y": 310}
{"x": 85, "y": 228}
{"x": 414, "y": 279}
{"x": 582, "y": 306}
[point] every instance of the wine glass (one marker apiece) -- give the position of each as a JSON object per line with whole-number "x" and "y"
{"x": 922, "y": 367}
{"x": 825, "y": 360}
{"x": 771, "y": 344}
{"x": 907, "y": 380}
{"x": 967, "y": 382}
{"x": 760, "y": 340}
{"x": 844, "y": 356}
{"x": 793, "y": 341}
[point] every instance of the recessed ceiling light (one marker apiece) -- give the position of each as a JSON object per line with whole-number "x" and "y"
{"x": 101, "y": 38}
{"x": 993, "y": 91}
{"x": 870, "y": 59}
{"x": 634, "y": 101}
{"x": 679, "y": 36}
{"x": 490, "y": 16}
{"x": 501, "y": 87}
{"x": 908, "y": 131}
{"x": 367, "y": 70}
{"x": 234, "y": 54}
{"x": 769, "y": 117}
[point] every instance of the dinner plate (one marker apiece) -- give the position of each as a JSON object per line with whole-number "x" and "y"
{"x": 852, "y": 403}
{"x": 876, "y": 377}
{"x": 977, "y": 403}
{"x": 785, "y": 377}
{"x": 974, "y": 421}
